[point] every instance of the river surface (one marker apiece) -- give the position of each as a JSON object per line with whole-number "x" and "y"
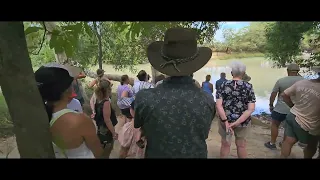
{"x": 263, "y": 76}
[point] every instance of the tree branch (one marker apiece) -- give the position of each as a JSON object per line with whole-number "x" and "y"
{"x": 43, "y": 39}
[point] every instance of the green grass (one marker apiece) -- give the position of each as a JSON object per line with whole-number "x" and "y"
{"x": 239, "y": 56}
{"x": 6, "y": 126}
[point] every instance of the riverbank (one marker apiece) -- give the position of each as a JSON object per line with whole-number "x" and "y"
{"x": 255, "y": 144}
{"x": 236, "y": 55}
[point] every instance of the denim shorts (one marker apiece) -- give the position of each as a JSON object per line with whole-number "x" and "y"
{"x": 278, "y": 116}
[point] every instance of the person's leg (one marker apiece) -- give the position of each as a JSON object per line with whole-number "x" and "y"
{"x": 107, "y": 150}
{"x": 225, "y": 145}
{"x": 240, "y": 134}
{"x": 128, "y": 115}
{"x": 277, "y": 118}
{"x": 290, "y": 137}
{"x": 312, "y": 146}
{"x": 123, "y": 152}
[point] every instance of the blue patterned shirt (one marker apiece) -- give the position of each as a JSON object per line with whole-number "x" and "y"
{"x": 176, "y": 117}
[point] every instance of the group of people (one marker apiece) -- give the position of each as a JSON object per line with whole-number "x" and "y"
{"x": 298, "y": 106}
{"x": 171, "y": 118}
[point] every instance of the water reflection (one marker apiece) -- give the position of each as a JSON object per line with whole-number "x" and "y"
{"x": 262, "y": 104}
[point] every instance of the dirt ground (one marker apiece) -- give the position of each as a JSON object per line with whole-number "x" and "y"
{"x": 255, "y": 144}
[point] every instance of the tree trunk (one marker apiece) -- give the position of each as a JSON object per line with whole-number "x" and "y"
{"x": 112, "y": 77}
{"x": 99, "y": 43}
{"x": 31, "y": 124}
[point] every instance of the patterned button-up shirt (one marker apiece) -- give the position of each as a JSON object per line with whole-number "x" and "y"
{"x": 176, "y": 117}
{"x": 235, "y": 95}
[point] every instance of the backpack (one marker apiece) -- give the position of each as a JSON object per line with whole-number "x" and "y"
{"x": 99, "y": 114}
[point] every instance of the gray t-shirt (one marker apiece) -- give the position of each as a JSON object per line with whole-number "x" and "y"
{"x": 281, "y": 85}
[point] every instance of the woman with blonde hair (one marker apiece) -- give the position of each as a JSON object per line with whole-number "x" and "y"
{"x": 95, "y": 82}
{"x": 105, "y": 117}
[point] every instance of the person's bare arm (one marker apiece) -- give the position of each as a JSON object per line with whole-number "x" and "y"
{"x": 245, "y": 115}
{"x": 106, "y": 117}
{"x": 291, "y": 91}
{"x": 220, "y": 109}
{"x": 81, "y": 76}
{"x": 211, "y": 87}
{"x": 251, "y": 107}
{"x": 90, "y": 136}
{"x": 106, "y": 78}
{"x": 219, "y": 106}
{"x": 92, "y": 83}
{"x": 275, "y": 92}
{"x": 197, "y": 84}
{"x": 92, "y": 102}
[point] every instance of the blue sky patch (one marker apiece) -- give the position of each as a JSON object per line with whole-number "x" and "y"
{"x": 229, "y": 25}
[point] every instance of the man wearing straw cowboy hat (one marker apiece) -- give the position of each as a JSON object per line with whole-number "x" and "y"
{"x": 176, "y": 115}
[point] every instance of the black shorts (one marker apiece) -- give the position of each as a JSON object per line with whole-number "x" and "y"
{"x": 104, "y": 135}
{"x": 126, "y": 112}
{"x": 278, "y": 116}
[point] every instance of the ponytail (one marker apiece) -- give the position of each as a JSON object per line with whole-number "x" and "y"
{"x": 49, "y": 109}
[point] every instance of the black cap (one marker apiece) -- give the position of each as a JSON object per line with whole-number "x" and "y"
{"x": 52, "y": 82}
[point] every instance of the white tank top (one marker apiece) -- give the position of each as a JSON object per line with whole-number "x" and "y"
{"x": 80, "y": 152}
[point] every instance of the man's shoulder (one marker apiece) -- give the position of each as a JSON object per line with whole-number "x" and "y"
{"x": 219, "y": 80}
{"x": 290, "y": 80}
{"x": 145, "y": 92}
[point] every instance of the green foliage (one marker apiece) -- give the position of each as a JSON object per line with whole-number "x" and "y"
{"x": 123, "y": 43}
{"x": 283, "y": 41}
{"x": 45, "y": 56}
{"x": 6, "y": 126}
{"x": 32, "y": 29}
{"x": 247, "y": 39}
{"x": 240, "y": 56}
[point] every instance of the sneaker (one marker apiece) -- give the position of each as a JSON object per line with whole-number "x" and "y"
{"x": 270, "y": 146}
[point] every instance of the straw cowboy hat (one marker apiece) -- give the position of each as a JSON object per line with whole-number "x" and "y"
{"x": 73, "y": 71}
{"x": 178, "y": 54}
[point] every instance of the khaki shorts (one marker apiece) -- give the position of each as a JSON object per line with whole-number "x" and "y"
{"x": 239, "y": 132}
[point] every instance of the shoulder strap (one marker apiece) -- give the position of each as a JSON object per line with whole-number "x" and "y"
{"x": 59, "y": 114}
{"x": 53, "y": 120}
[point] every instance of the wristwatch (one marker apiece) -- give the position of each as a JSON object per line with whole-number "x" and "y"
{"x": 224, "y": 120}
